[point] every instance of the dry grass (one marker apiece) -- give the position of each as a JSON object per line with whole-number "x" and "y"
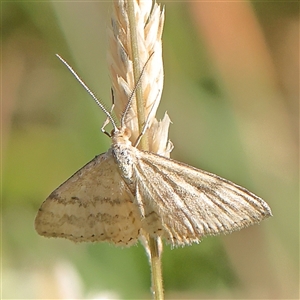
{"x": 149, "y": 25}
{"x": 135, "y": 49}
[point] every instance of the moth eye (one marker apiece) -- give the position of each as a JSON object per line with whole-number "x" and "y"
{"x": 127, "y": 132}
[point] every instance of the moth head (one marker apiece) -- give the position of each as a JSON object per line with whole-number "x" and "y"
{"x": 120, "y": 135}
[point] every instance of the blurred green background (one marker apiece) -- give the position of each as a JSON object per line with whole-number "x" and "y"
{"x": 232, "y": 92}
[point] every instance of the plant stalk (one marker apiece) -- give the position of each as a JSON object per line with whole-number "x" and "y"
{"x": 155, "y": 255}
{"x": 156, "y": 271}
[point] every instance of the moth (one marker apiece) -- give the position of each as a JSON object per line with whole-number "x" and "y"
{"x": 125, "y": 193}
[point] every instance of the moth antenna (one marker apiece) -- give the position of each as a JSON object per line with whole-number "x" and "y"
{"x": 132, "y": 93}
{"x": 109, "y": 116}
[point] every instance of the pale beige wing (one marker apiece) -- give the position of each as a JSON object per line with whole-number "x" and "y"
{"x": 183, "y": 204}
{"x": 92, "y": 205}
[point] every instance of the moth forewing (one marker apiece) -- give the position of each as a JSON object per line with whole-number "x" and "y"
{"x": 94, "y": 204}
{"x": 192, "y": 203}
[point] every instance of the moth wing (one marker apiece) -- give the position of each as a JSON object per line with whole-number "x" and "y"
{"x": 92, "y": 205}
{"x": 184, "y": 204}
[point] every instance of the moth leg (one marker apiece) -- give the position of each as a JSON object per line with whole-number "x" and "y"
{"x": 107, "y": 118}
{"x": 145, "y": 127}
{"x": 139, "y": 202}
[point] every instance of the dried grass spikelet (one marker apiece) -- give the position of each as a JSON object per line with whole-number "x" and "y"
{"x": 149, "y": 19}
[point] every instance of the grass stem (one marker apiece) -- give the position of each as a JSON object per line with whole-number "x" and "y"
{"x": 155, "y": 255}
